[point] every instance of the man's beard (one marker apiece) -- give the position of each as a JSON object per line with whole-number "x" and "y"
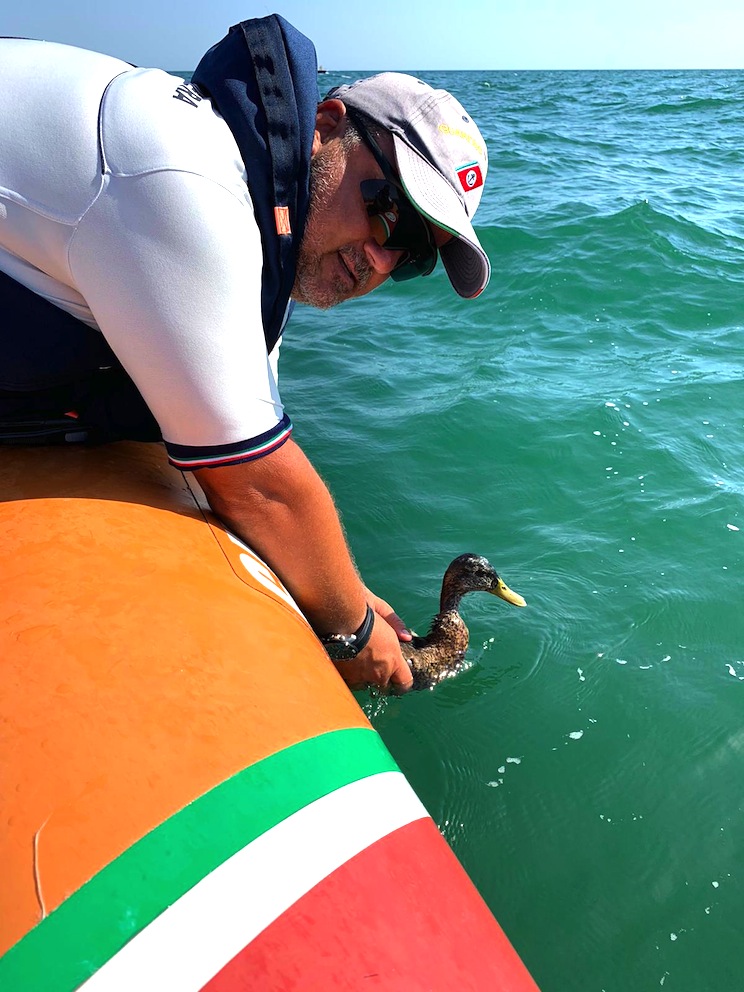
{"x": 326, "y": 169}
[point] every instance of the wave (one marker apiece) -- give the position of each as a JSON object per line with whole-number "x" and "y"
{"x": 693, "y": 104}
{"x": 656, "y": 225}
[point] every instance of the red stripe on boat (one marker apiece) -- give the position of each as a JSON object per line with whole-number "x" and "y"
{"x": 402, "y": 916}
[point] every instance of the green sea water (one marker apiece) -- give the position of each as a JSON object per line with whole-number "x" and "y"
{"x": 582, "y": 425}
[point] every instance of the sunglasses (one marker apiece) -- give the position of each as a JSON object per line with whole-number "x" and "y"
{"x": 396, "y": 223}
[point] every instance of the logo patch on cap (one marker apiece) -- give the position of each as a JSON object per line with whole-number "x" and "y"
{"x": 470, "y": 176}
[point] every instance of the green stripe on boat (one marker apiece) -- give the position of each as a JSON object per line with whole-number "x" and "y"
{"x": 97, "y": 920}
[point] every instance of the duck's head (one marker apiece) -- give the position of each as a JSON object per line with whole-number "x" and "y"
{"x": 474, "y": 573}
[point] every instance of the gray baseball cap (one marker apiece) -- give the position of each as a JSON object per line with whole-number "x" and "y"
{"x": 442, "y": 161}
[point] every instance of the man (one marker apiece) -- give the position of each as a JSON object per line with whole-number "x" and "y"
{"x": 152, "y": 234}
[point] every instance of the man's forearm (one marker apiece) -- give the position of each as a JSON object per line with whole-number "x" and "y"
{"x": 283, "y": 510}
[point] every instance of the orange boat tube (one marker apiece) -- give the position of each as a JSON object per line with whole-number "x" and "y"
{"x": 192, "y": 798}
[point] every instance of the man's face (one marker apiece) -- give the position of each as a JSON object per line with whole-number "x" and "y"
{"x": 339, "y": 258}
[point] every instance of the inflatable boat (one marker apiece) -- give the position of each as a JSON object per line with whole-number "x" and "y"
{"x": 191, "y": 797}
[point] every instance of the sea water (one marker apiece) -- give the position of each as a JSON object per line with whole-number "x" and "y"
{"x": 582, "y": 425}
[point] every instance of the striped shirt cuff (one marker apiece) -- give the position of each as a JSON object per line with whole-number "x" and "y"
{"x": 188, "y": 458}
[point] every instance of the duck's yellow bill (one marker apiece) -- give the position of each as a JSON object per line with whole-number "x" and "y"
{"x": 504, "y": 592}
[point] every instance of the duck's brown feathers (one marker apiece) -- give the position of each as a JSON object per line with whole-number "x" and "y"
{"x": 442, "y": 652}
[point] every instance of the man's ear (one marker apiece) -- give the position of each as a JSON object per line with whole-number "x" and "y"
{"x": 328, "y": 122}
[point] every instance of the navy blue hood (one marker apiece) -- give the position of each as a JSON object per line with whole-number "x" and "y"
{"x": 262, "y": 78}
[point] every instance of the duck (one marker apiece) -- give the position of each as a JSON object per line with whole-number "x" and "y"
{"x": 441, "y": 652}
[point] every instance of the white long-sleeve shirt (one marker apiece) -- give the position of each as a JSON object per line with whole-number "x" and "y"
{"x": 123, "y": 200}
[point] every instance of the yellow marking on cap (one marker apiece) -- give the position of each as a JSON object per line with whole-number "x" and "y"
{"x": 457, "y": 132}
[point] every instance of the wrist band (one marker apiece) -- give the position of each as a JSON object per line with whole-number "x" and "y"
{"x": 343, "y": 647}
{"x": 365, "y": 631}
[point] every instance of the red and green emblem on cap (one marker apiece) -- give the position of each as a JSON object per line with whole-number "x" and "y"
{"x": 470, "y": 176}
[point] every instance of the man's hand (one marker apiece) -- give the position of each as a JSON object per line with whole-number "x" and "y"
{"x": 381, "y": 662}
{"x": 388, "y": 614}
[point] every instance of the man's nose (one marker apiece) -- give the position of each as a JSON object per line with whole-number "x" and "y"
{"x": 382, "y": 260}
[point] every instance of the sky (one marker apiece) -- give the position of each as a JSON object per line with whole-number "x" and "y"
{"x": 390, "y": 34}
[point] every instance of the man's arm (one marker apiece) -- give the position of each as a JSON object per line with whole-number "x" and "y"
{"x": 282, "y": 509}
